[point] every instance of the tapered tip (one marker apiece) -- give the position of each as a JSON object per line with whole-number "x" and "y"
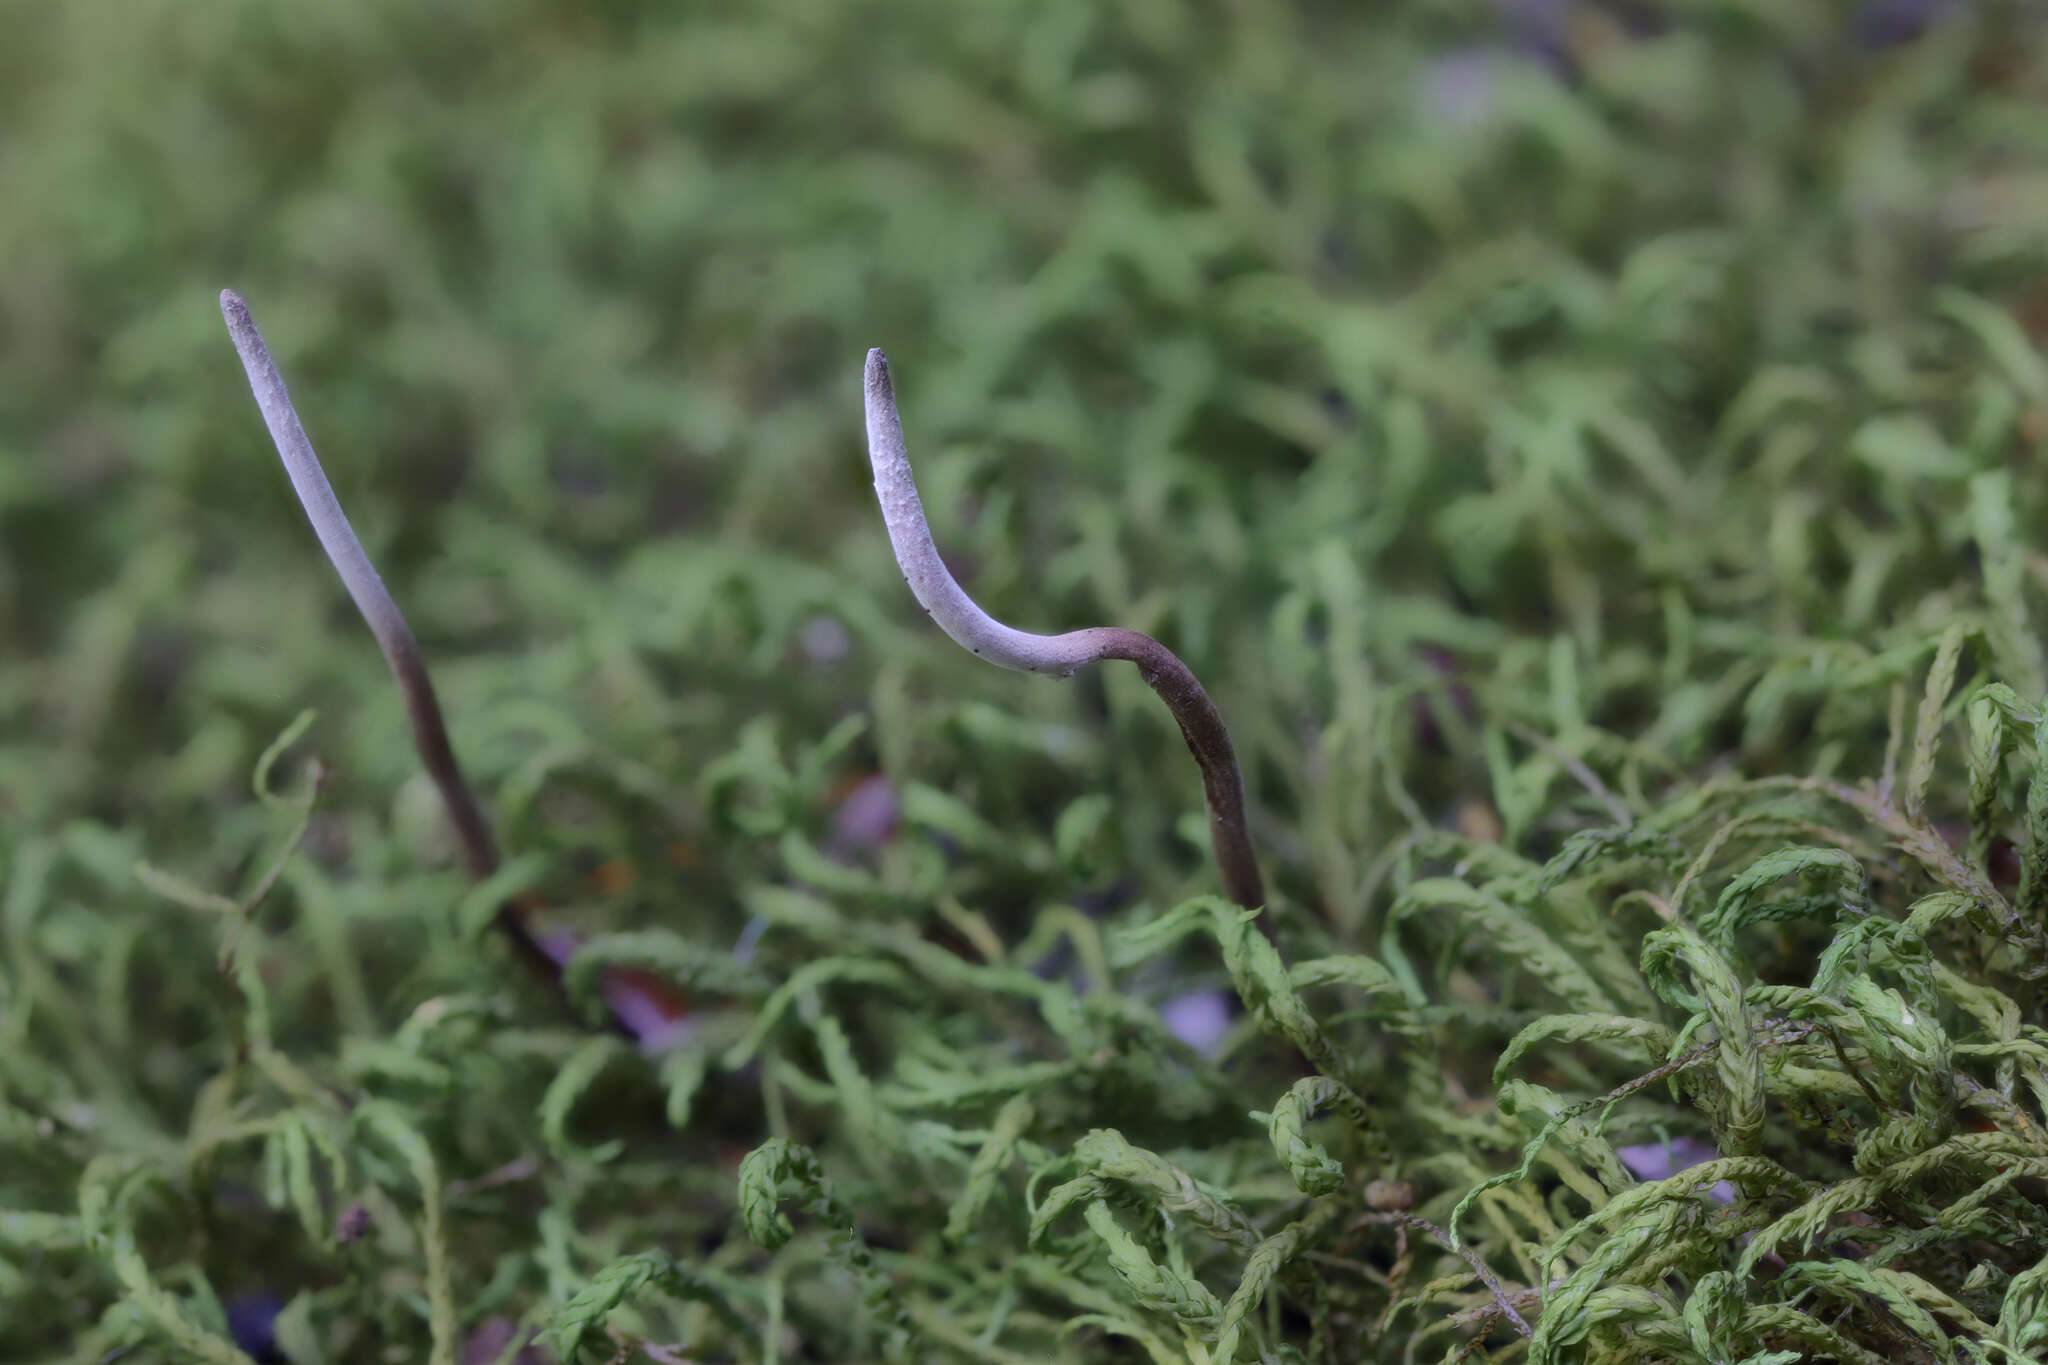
{"x": 242, "y": 328}
{"x": 878, "y": 385}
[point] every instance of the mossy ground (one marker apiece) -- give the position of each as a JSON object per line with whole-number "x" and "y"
{"x": 1592, "y": 452}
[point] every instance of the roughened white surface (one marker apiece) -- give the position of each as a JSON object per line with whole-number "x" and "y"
{"x": 931, "y": 582}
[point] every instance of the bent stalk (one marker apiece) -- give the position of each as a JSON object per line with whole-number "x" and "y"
{"x": 947, "y": 603}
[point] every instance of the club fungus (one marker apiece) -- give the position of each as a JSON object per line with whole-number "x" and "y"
{"x": 386, "y": 622}
{"x": 947, "y": 603}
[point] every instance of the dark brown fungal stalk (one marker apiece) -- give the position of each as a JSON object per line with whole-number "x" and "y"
{"x": 1059, "y": 655}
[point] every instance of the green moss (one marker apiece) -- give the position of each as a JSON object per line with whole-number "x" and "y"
{"x": 1594, "y": 473}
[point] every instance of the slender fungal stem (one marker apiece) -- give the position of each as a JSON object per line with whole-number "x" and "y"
{"x": 1059, "y": 655}
{"x": 394, "y": 637}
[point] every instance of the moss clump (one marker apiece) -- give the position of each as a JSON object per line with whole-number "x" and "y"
{"x": 1589, "y": 454}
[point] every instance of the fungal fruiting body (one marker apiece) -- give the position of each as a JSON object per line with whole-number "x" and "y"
{"x": 948, "y": 604}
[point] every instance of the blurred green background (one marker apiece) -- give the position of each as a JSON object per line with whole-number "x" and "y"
{"x": 1456, "y": 384}
{"x": 1530, "y": 322}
